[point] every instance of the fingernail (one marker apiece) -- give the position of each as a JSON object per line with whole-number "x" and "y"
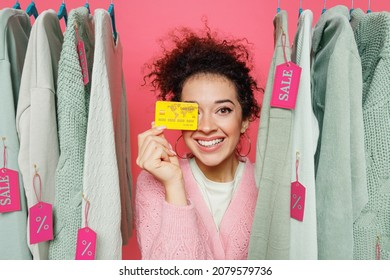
{"x": 161, "y": 127}
{"x": 152, "y": 124}
{"x": 173, "y": 152}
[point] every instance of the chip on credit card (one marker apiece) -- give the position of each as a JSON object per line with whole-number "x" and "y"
{"x": 176, "y": 115}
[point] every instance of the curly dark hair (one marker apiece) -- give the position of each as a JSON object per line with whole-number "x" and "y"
{"x": 194, "y": 54}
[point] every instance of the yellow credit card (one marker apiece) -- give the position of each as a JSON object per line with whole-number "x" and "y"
{"x": 176, "y": 115}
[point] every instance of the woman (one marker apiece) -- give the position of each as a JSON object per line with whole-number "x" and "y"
{"x": 200, "y": 207}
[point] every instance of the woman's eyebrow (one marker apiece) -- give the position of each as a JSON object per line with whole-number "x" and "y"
{"x": 223, "y": 101}
{"x": 190, "y": 101}
{"x": 216, "y": 102}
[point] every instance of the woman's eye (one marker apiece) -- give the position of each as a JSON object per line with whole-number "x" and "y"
{"x": 225, "y": 110}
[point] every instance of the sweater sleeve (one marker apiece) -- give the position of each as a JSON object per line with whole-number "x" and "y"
{"x": 166, "y": 231}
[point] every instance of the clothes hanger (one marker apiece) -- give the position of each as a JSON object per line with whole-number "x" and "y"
{"x": 63, "y": 13}
{"x": 32, "y": 10}
{"x": 111, "y": 11}
{"x": 324, "y": 9}
{"x": 369, "y": 7}
{"x": 278, "y": 9}
{"x": 87, "y": 6}
{"x": 17, "y": 6}
{"x": 300, "y": 8}
{"x": 352, "y": 8}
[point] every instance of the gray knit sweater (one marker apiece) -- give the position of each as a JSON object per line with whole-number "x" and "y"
{"x": 372, "y": 34}
{"x": 72, "y": 112}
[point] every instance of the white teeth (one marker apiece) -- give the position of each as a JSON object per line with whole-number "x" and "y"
{"x": 210, "y": 143}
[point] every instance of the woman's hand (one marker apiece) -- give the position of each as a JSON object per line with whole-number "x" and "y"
{"x": 156, "y": 156}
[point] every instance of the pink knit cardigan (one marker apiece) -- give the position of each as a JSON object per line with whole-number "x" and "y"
{"x": 165, "y": 231}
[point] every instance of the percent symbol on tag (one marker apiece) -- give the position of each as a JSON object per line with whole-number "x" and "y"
{"x": 296, "y": 202}
{"x": 84, "y": 242}
{"x": 45, "y": 226}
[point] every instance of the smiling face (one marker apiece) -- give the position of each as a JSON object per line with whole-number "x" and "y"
{"x": 220, "y": 123}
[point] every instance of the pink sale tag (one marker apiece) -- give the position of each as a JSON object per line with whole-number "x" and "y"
{"x": 86, "y": 244}
{"x": 286, "y": 84}
{"x": 83, "y": 61}
{"x": 41, "y": 222}
{"x": 9, "y": 190}
{"x": 298, "y": 196}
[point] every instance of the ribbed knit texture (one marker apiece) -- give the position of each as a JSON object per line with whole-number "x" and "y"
{"x": 103, "y": 168}
{"x": 72, "y": 111}
{"x": 270, "y": 238}
{"x": 372, "y": 34}
{"x": 166, "y": 231}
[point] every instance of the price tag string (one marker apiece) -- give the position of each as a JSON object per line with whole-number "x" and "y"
{"x": 37, "y": 176}
{"x": 86, "y": 210}
{"x": 284, "y": 39}
{"x": 4, "y": 153}
{"x": 377, "y": 249}
{"x": 297, "y": 166}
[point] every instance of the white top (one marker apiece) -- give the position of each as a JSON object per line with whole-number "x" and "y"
{"x": 217, "y": 195}
{"x": 101, "y": 185}
{"x": 303, "y": 235}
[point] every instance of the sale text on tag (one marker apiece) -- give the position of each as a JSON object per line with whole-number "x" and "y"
{"x": 83, "y": 61}
{"x": 9, "y": 191}
{"x": 286, "y": 85}
{"x": 177, "y": 115}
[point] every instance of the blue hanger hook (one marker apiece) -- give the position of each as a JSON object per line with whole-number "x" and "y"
{"x": 17, "y": 6}
{"x": 369, "y": 7}
{"x": 352, "y": 7}
{"x": 87, "y": 6}
{"x": 32, "y": 10}
{"x": 324, "y": 9}
{"x": 111, "y": 11}
{"x": 300, "y": 8}
{"x": 63, "y": 13}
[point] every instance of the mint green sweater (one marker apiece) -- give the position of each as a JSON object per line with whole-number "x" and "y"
{"x": 341, "y": 188}
{"x": 372, "y": 34}
{"x": 14, "y": 33}
{"x": 270, "y": 236}
{"x": 72, "y": 112}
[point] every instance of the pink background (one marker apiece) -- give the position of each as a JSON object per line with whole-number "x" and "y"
{"x": 142, "y": 22}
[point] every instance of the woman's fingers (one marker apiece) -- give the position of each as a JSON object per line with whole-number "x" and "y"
{"x": 154, "y": 152}
{"x": 153, "y": 134}
{"x": 153, "y": 139}
{"x": 152, "y": 145}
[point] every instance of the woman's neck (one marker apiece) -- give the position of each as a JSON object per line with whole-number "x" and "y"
{"x": 224, "y": 172}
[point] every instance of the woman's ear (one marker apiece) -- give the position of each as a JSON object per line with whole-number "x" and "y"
{"x": 244, "y": 126}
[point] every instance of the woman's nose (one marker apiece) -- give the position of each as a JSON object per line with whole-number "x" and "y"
{"x": 206, "y": 123}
